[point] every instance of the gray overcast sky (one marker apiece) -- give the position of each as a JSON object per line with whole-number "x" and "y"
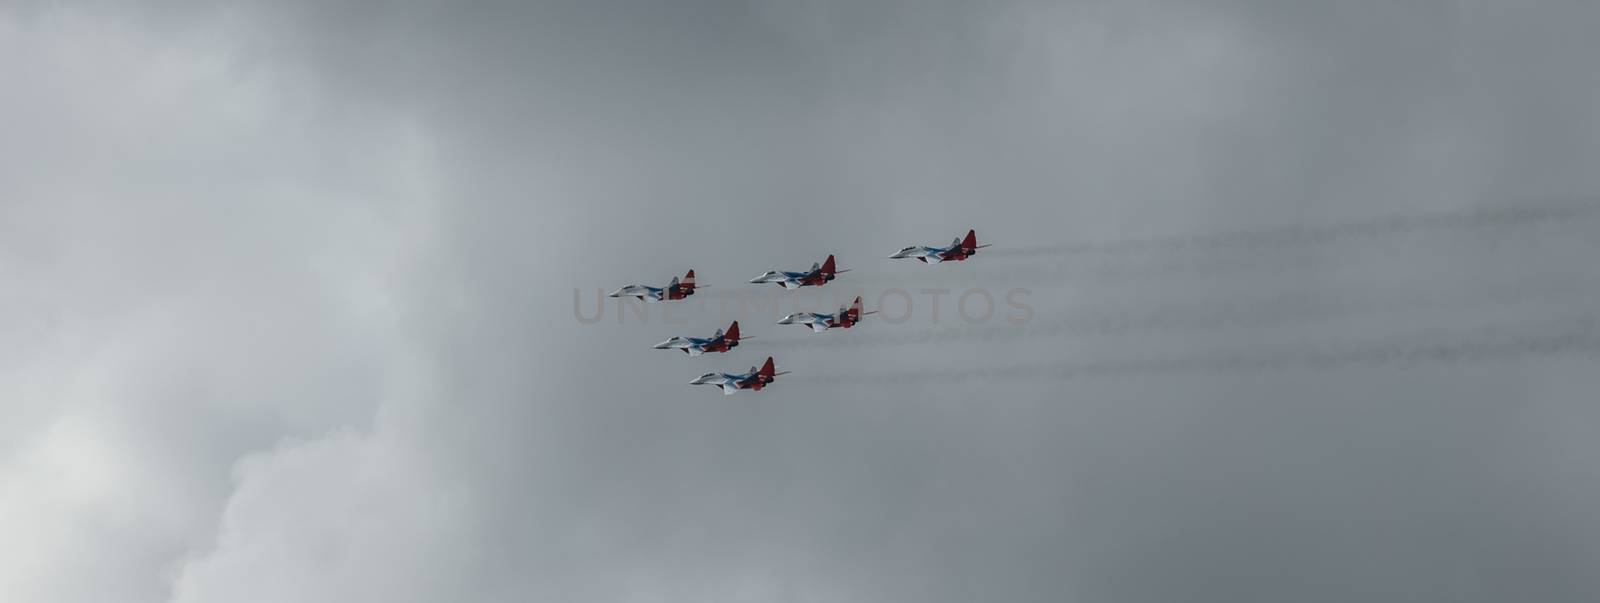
{"x": 287, "y": 287}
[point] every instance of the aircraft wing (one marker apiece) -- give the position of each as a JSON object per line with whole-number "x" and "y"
{"x": 676, "y": 343}
{"x": 632, "y": 290}
{"x": 798, "y": 317}
{"x": 915, "y": 252}
{"x": 647, "y": 293}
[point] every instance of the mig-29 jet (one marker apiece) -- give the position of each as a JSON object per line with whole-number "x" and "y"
{"x": 673, "y": 291}
{"x": 959, "y": 250}
{"x": 847, "y": 317}
{"x": 732, "y": 383}
{"x": 818, "y": 276}
{"x": 695, "y": 346}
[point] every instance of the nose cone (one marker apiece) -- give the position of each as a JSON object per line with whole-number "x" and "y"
{"x": 903, "y": 253}
{"x": 663, "y": 345}
{"x": 703, "y": 379}
{"x": 617, "y": 293}
{"x": 764, "y": 276}
{"x": 787, "y": 320}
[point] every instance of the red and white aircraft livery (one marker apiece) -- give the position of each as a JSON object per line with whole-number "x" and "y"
{"x": 818, "y": 276}
{"x": 959, "y": 250}
{"x": 847, "y": 317}
{"x": 732, "y": 383}
{"x": 674, "y": 290}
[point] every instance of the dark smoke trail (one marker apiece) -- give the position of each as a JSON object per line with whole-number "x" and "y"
{"x": 1313, "y": 234}
{"x": 1271, "y": 251}
{"x": 1291, "y": 309}
{"x": 1577, "y": 338}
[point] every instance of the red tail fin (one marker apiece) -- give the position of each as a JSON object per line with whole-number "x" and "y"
{"x": 732, "y": 333}
{"x": 768, "y": 369}
{"x": 854, "y": 313}
{"x": 688, "y": 279}
{"x": 971, "y": 242}
{"x": 827, "y": 266}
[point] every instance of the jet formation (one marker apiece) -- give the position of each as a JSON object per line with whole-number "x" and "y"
{"x": 820, "y": 274}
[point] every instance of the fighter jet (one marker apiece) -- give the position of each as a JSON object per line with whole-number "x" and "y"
{"x": 731, "y": 383}
{"x": 847, "y": 317}
{"x": 694, "y": 346}
{"x": 959, "y": 250}
{"x": 674, "y": 290}
{"x": 818, "y": 276}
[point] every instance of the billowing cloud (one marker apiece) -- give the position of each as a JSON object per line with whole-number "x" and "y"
{"x": 202, "y": 255}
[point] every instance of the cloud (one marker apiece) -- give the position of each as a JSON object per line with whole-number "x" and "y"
{"x": 328, "y": 517}
{"x": 197, "y": 265}
{"x": 358, "y": 378}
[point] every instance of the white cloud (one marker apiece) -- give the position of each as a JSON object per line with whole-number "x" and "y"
{"x": 199, "y": 260}
{"x": 344, "y": 518}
